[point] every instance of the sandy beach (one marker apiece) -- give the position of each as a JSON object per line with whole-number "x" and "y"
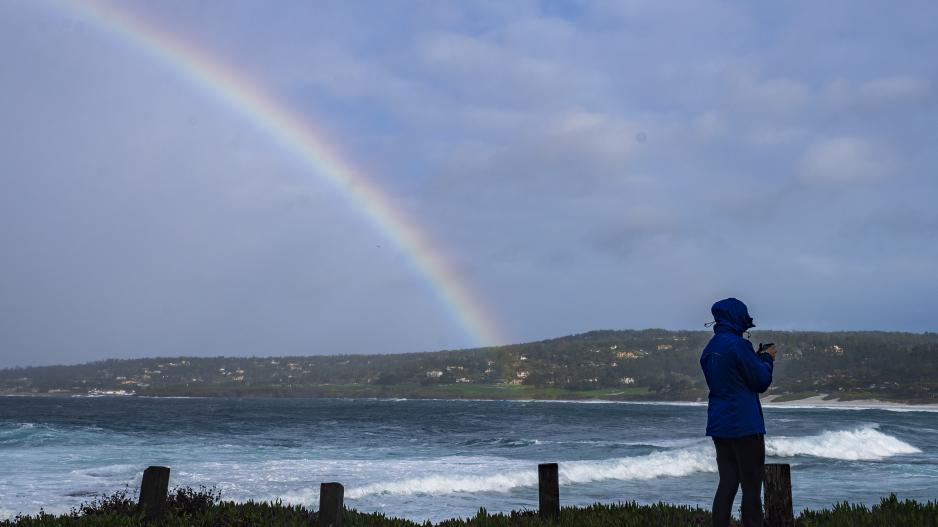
{"x": 820, "y": 401}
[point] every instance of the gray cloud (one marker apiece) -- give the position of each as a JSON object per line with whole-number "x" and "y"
{"x": 891, "y": 91}
{"x": 845, "y": 161}
{"x": 584, "y": 165}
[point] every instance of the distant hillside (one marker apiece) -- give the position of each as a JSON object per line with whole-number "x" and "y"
{"x": 649, "y": 364}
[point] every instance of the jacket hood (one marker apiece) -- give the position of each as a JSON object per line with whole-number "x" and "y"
{"x": 731, "y": 314}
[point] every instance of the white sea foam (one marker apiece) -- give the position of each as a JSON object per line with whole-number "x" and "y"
{"x": 442, "y": 484}
{"x": 669, "y": 463}
{"x": 611, "y": 443}
{"x": 867, "y": 444}
{"x": 107, "y": 471}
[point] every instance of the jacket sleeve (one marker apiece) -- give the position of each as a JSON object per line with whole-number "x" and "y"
{"x": 756, "y": 368}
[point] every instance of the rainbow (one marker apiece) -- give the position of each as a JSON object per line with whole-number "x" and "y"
{"x": 257, "y": 106}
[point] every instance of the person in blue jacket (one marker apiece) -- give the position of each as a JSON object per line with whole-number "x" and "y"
{"x": 736, "y": 375}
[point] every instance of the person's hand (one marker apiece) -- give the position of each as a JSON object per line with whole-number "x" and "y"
{"x": 771, "y": 350}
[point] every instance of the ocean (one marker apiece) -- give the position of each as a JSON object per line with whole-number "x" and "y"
{"x": 435, "y": 459}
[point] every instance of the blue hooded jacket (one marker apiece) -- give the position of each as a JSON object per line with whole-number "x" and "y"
{"x": 736, "y": 374}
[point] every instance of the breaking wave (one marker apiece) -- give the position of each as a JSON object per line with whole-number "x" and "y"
{"x": 20, "y": 435}
{"x": 673, "y": 463}
{"x": 863, "y": 444}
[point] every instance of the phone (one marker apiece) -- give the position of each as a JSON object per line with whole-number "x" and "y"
{"x": 763, "y": 347}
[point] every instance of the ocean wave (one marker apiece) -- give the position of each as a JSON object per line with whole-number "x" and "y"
{"x": 502, "y": 442}
{"x": 13, "y": 428}
{"x": 17, "y": 435}
{"x": 672, "y": 463}
{"x": 861, "y": 444}
{"x": 107, "y": 471}
{"x": 613, "y": 443}
{"x": 506, "y": 442}
{"x": 160, "y": 397}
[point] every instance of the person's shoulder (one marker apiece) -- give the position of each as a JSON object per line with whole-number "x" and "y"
{"x": 735, "y": 342}
{"x": 743, "y": 345}
{"x": 727, "y": 337}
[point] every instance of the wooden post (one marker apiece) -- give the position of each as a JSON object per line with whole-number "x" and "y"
{"x": 548, "y": 490}
{"x": 778, "y": 507}
{"x": 330, "y": 504}
{"x": 153, "y": 491}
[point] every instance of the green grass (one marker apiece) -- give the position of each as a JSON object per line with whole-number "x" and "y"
{"x": 186, "y": 507}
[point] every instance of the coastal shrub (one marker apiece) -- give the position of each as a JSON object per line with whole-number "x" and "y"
{"x": 629, "y": 514}
{"x": 890, "y": 511}
{"x": 186, "y": 501}
{"x": 203, "y": 508}
{"x": 118, "y": 503}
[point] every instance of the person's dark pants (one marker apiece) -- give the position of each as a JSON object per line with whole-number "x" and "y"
{"x": 739, "y": 461}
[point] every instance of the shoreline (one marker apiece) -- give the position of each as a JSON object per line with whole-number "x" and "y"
{"x": 819, "y": 401}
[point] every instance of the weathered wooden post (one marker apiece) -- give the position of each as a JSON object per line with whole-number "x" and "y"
{"x": 548, "y": 490}
{"x": 778, "y": 507}
{"x": 330, "y": 504}
{"x": 153, "y": 491}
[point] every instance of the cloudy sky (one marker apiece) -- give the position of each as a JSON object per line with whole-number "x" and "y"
{"x": 581, "y": 165}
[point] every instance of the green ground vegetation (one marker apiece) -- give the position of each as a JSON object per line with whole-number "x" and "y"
{"x": 202, "y": 508}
